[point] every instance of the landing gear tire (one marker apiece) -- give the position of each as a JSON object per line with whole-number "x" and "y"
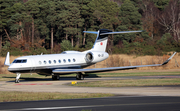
{"x": 17, "y": 77}
{"x": 79, "y": 77}
{"x": 82, "y": 77}
{"x": 55, "y": 77}
{"x": 16, "y": 81}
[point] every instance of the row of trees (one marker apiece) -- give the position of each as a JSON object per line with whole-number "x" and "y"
{"x": 28, "y": 25}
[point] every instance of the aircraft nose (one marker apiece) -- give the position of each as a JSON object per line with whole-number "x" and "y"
{"x": 11, "y": 68}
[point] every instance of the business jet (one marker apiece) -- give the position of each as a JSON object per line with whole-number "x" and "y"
{"x": 69, "y": 62}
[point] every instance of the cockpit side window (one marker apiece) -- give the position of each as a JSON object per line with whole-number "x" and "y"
{"x": 24, "y": 61}
{"x": 20, "y": 61}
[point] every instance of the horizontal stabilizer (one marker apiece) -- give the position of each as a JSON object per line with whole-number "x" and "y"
{"x": 106, "y": 33}
{"x": 69, "y": 71}
{"x": 91, "y": 32}
{"x": 121, "y": 32}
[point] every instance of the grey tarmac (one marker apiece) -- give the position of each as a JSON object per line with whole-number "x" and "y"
{"x": 61, "y": 86}
{"x": 117, "y": 103}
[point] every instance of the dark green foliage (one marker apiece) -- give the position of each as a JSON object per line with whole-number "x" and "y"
{"x": 66, "y": 45}
{"x": 161, "y": 4}
{"x": 35, "y": 51}
{"x": 145, "y": 36}
{"x": 89, "y": 45}
{"x": 105, "y": 12}
{"x": 15, "y": 51}
{"x": 166, "y": 43}
{"x": 31, "y": 26}
{"x": 136, "y": 49}
{"x": 150, "y": 50}
{"x": 130, "y": 19}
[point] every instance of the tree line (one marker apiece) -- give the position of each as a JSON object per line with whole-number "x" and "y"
{"x": 52, "y": 26}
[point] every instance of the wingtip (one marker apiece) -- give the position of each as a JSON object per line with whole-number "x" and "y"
{"x": 169, "y": 58}
{"x": 91, "y": 32}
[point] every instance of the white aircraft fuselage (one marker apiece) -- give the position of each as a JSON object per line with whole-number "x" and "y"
{"x": 44, "y": 64}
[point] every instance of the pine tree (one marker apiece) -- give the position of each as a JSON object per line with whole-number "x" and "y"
{"x": 106, "y": 13}
{"x": 130, "y": 19}
{"x": 32, "y": 8}
{"x": 70, "y": 19}
{"x": 6, "y": 12}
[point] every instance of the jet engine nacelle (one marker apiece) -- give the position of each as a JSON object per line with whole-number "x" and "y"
{"x": 89, "y": 57}
{"x": 93, "y": 57}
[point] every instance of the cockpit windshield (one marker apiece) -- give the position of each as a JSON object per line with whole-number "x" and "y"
{"x": 20, "y": 61}
{"x": 64, "y": 53}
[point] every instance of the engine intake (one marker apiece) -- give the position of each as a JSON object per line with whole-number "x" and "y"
{"x": 89, "y": 57}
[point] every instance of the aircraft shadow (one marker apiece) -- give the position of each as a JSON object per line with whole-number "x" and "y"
{"x": 33, "y": 79}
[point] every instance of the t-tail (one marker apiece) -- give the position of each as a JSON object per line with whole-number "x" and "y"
{"x": 102, "y": 38}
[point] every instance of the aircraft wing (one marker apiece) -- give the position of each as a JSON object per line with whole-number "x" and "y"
{"x": 69, "y": 71}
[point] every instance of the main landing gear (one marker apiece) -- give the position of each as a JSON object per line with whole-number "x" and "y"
{"x": 17, "y": 77}
{"x": 55, "y": 77}
{"x": 80, "y": 76}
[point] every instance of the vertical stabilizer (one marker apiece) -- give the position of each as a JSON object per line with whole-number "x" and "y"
{"x": 7, "y": 63}
{"x": 101, "y": 40}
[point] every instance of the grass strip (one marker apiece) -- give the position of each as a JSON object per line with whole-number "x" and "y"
{"x": 6, "y": 96}
{"x": 134, "y": 74}
{"x": 130, "y": 82}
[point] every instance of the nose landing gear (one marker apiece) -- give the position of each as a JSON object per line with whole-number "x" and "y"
{"x": 17, "y": 77}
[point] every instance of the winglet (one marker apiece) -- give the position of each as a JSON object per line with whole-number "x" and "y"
{"x": 169, "y": 59}
{"x": 7, "y": 63}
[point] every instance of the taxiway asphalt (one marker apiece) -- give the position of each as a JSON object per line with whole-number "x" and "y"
{"x": 60, "y": 86}
{"x": 132, "y": 103}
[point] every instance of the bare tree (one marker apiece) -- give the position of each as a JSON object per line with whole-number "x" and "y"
{"x": 149, "y": 17}
{"x": 170, "y": 19}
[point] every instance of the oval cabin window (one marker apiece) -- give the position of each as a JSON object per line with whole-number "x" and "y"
{"x": 59, "y": 61}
